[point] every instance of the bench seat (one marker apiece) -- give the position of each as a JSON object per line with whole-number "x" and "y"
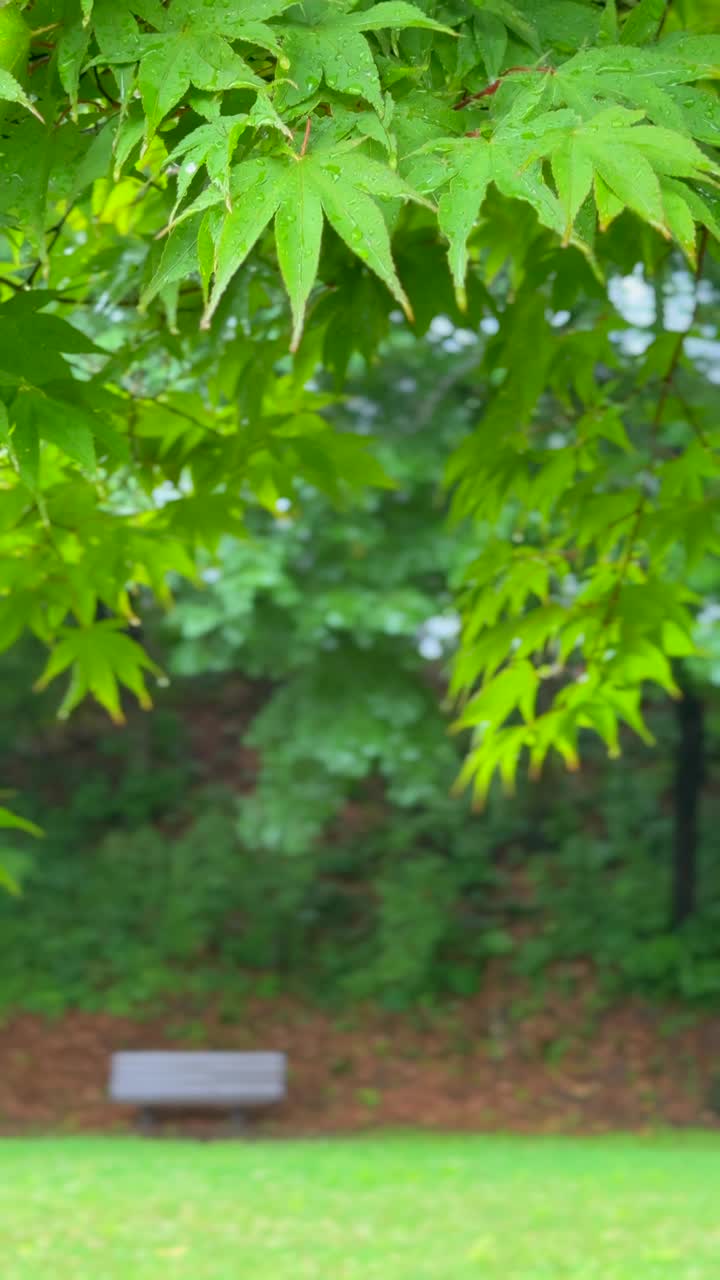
{"x": 229, "y": 1081}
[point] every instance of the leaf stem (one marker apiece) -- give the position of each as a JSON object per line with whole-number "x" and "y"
{"x": 306, "y": 138}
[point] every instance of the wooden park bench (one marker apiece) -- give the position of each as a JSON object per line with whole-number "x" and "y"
{"x": 168, "y": 1082}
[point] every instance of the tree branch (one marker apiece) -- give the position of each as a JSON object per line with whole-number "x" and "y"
{"x": 665, "y": 389}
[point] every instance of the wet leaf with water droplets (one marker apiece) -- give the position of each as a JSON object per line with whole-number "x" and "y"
{"x": 358, "y": 221}
{"x": 260, "y": 187}
{"x": 298, "y": 233}
{"x": 336, "y": 50}
{"x": 189, "y": 56}
{"x": 460, "y": 206}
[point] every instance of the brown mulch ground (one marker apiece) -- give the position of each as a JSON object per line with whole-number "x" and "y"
{"x": 472, "y": 1067}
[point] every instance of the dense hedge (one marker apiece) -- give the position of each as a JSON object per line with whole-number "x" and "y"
{"x": 144, "y": 886}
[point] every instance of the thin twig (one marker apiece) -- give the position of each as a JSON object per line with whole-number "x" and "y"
{"x": 692, "y": 420}
{"x": 102, "y": 88}
{"x": 490, "y": 89}
{"x": 54, "y": 233}
{"x": 85, "y": 102}
{"x": 444, "y": 387}
{"x": 171, "y": 408}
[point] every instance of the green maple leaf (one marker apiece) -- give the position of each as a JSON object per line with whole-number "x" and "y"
{"x": 192, "y": 45}
{"x": 32, "y": 344}
{"x": 334, "y": 183}
{"x": 615, "y": 154}
{"x": 64, "y": 425}
{"x": 625, "y": 159}
{"x": 476, "y": 164}
{"x": 640, "y": 76}
{"x": 190, "y": 55}
{"x": 100, "y": 658}
{"x": 326, "y": 44}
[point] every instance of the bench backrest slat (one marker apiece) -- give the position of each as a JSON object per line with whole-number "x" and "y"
{"x": 208, "y": 1079}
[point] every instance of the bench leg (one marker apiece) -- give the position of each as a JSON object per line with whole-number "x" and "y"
{"x": 146, "y": 1121}
{"x": 237, "y": 1124}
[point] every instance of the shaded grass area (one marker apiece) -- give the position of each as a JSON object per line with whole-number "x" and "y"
{"x": 383, "y": 1207}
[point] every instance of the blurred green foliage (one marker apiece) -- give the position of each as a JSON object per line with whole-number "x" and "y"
{"x": 308, "y": 839}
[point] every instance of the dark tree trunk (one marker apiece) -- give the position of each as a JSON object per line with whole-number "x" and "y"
{"x": 689, "y": 778}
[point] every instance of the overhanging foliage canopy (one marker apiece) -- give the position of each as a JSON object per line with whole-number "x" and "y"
{"x": 208, "y": 209}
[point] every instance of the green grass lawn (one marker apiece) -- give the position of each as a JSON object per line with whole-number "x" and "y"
{"x": 376, "y": 1208}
